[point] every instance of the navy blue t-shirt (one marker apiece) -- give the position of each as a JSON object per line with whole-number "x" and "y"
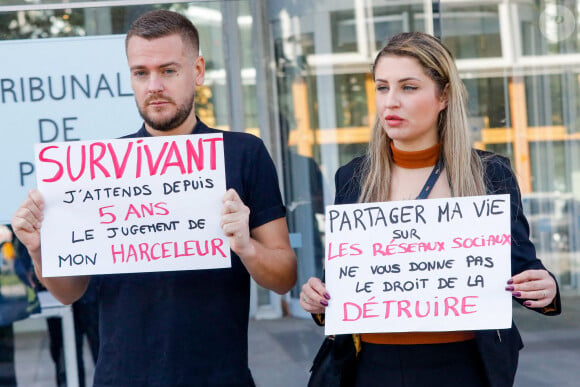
{"x": 188, "y": 328}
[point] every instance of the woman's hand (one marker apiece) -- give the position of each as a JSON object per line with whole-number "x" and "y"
{"x": 537, "y": 286}
{"x": 314, "y": 297}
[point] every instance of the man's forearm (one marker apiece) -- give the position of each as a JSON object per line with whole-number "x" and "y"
{"x": 65, "y": 289}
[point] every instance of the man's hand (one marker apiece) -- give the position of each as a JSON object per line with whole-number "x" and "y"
{"x": 235, "y": 223}
{"x": 265, "y": 250}
{"x": 26, "y": 224}
{"x": 27, "y": 221}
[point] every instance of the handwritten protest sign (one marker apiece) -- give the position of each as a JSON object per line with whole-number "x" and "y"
{"x": 423, "y": 265}
{"x": 132, "y": 205}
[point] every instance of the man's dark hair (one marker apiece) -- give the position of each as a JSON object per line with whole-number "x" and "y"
{"x": 160, "y": 23}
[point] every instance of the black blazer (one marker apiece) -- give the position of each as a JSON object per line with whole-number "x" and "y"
{"x": 499, "y": 349}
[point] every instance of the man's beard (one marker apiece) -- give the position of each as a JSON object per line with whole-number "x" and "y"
{"x": 183, "y": 111}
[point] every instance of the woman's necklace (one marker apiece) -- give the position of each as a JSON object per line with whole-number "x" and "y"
{"x": 421, "y": 159}
{"x": 416, "y": 159}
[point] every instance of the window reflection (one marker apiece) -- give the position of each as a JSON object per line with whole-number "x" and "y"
{"x": 304, "y": 193}
{"x": 544, "y": 93}
{"x": 381, "y": 23}
{"x": 486, "y": 104}
{"x": 549, "y": 27}
{"x": 471, "y": 31}
{"x": 388, "y": 21}
{"x": 344, "y": 36}
{"x": 351, "y": 101}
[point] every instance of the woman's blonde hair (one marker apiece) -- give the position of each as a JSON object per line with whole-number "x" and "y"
{"x": 464, "y": 167}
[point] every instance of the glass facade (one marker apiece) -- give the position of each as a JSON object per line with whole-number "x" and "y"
{"x": 519, "y": 108}
{"x": 520, "y": 64}
{"x": 297, "y": 74}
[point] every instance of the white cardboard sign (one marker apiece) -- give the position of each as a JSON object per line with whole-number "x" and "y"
{"x": 61, "y": 89}
{"x": 132, "y": 205}
{"x": 421, "y": 265}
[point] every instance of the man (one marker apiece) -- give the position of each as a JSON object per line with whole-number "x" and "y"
{"x": 185, "y": 328}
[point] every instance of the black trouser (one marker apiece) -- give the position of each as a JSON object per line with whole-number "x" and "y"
{"x": 424, "y": 365}
{"x": 86, "y": 324}
{"x": 7, "y": 372}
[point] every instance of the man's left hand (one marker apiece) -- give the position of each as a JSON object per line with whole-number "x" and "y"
{"x": 235, "y": 223}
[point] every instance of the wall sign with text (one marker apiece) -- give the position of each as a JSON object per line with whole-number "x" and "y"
{"x": 132, "y": 205}
{"x": 58, "y": 89}
{"x": 421, "y": 265}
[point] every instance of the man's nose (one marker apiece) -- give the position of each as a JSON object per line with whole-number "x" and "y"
{"x": 155, "y": 84}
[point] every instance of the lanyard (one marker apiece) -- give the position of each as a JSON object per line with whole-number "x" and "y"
{"x": 431, "y": 179}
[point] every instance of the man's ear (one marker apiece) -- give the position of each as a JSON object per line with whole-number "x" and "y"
{"x": 199, "y": 70}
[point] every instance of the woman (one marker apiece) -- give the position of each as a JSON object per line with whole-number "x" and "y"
{"x": 420, "y": 102}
